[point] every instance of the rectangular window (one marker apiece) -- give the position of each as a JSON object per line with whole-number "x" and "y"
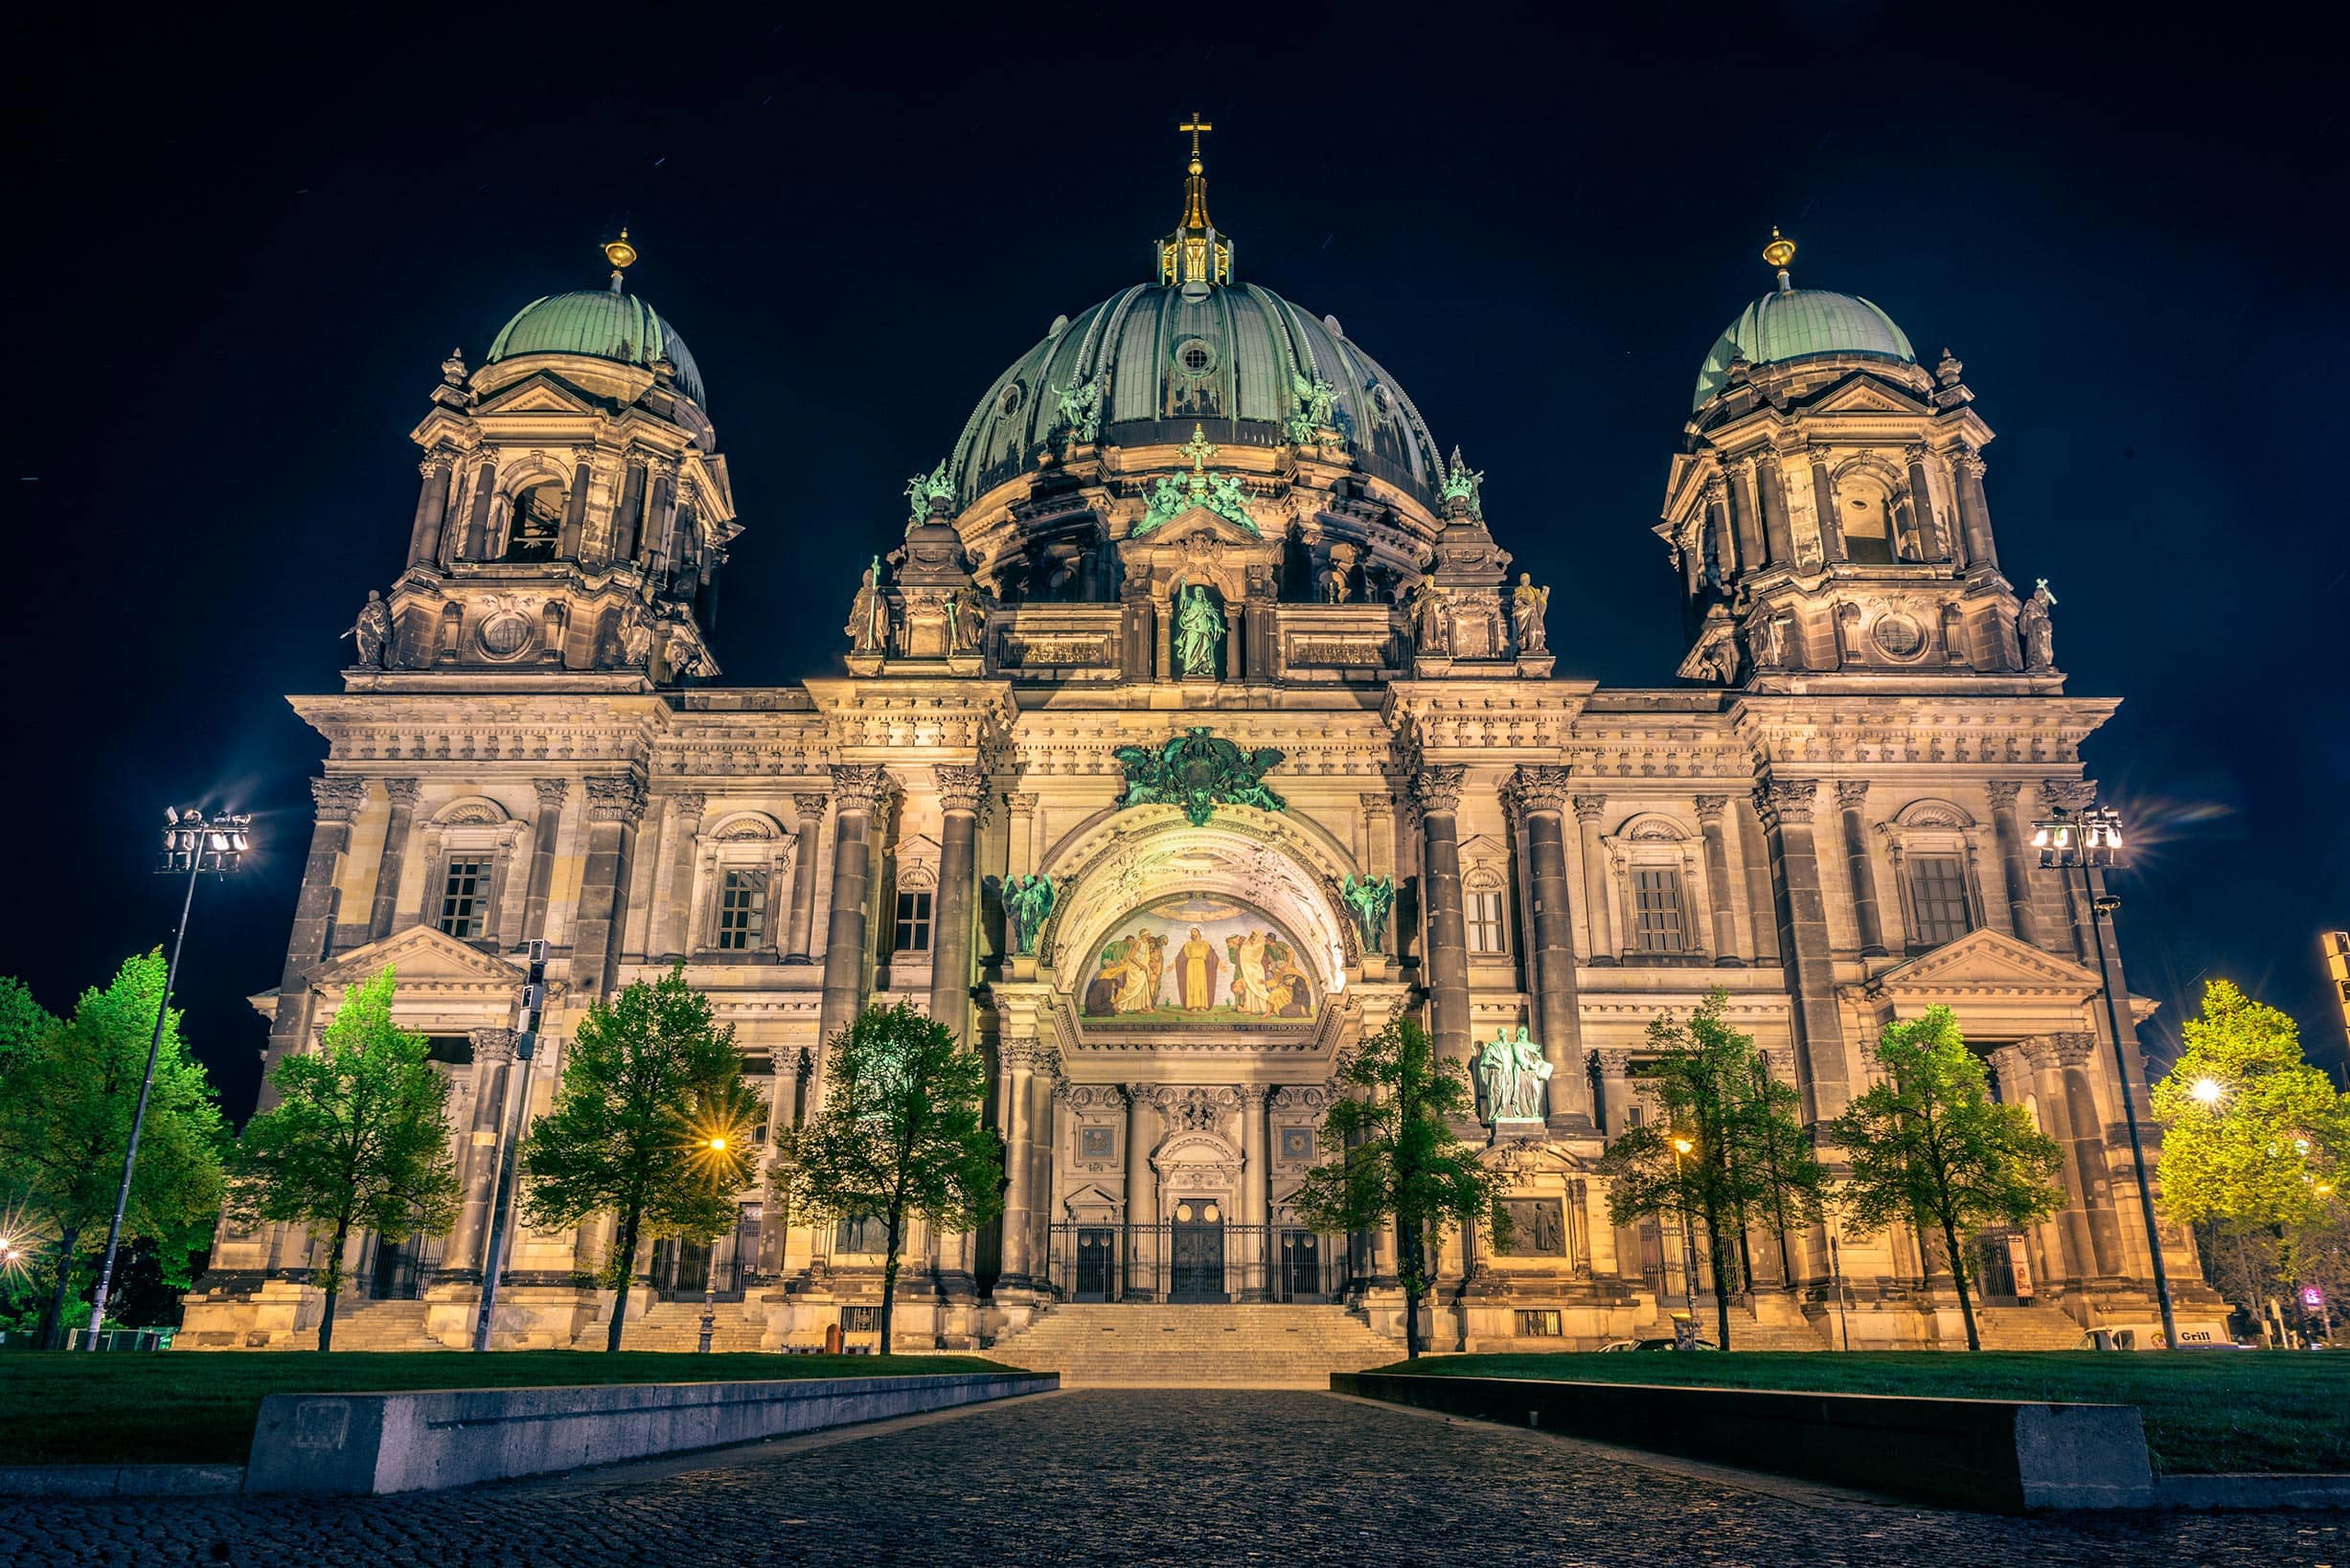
{"x": 465, "y": 897}
{"x": 1485, "y": 929}
{"x": 1539, "y": 1323}
{"x": 1658, "y": 926}
{"x": 1538, "y": 1228}
{"x": 865, "y": 1234}
{"x": 1938, "y": 899}
{"x": 860, "y": 1319}
{"x": 742, "y": 910}
{"x": 913, "y": 923}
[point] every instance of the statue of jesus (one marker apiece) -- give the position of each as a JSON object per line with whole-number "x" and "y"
{"x": 1199, "y": 629}
{"x": 1195, "y": 974}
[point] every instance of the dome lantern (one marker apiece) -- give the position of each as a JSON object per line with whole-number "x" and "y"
{"x": 1194, "y": 258}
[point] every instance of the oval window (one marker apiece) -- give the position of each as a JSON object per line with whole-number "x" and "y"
{"x": 1196, "y": 357}
{"x": 1183, "y": 1213}
{"x": 1008, "y": 404}
{"x": 505, "y": 635}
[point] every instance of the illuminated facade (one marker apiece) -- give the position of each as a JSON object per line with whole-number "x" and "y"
{"x": 1194, "y": 728}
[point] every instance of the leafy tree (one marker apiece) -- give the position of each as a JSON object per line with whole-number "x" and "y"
{"x": 358, "y": 1139}
{"x": 899, "y": 1135}
{"x": 1928, "y": 1145}
{"x": 1395, "y": 1156}
{"x": 1748, "y": 1155}
{"x": 639, "y": 1130}
{"x": 66, "y": 1102}
{"x": 24, "y": 1023}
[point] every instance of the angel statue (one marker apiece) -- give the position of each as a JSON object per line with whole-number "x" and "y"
{"x": 1080, "y": 407}
{"x": 1029, "y": 902}
{"x": 1371, "y": 898}
{"x": 636, "y": 635}
{"x": 372, "y": 631}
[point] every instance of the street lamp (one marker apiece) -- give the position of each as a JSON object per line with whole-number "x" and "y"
{"x": 194, "y": 844}
{"x": 2207, "y": 1091}
{"x": 1682, "y": 1146}
{"x": 2082, "y": 840}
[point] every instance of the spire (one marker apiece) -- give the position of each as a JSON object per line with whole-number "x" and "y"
{"x": 1194, "y": 255}
{"x": 622, "y": 255}
{"x": 1778, "y": 252}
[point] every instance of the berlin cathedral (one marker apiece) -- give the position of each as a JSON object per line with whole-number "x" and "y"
{"x": 1193, "y": 727}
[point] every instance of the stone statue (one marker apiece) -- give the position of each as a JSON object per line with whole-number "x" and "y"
{"x": 682, "y": 654}
{"x": 1200, "y": 631}
{"x": 1512, "y": 1073}
{"x": 636, "y": 635}
{"x": 372, "y": 632}
{"x": 1771, "y": 635}
{"x": 1529, "y": 606}
{"x": 1028, "y": 902}
{"x": 923, "y": 489}
{"x": 966, "y": 620}
{"x": 1316, "y": 407}
{"x": 1371, "y": 898}
{"x": 1431, "y": 627}
{"x": 1462, "y": 483}
{"x": 1080, "y": 406}
{"x": 868, "y": 625}
{"x": 1334, "y": 585}
{"x": 1533, "y": 1074}
{"x": 2038, "y": 636}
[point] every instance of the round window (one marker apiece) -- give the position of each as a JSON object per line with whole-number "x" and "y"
{"x": 1380, "y": 401}
{"x": 1196, "y": 357}
{"x": 1183, "y": 1213}
{"x": 1210, "y": 1213}
{"x": 1898, "y": 636}
{"x": 505, "y": 635}
{"x": 1010, "y": 402}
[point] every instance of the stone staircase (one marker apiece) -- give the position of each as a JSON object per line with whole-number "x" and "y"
{"x": 2025, "y": 1328}
{"x": 363, "y": 1324}
{"x": 1748, "y": 1331}
{"x": 1196, "y": 1344}
{"x": 676, "y": 1325}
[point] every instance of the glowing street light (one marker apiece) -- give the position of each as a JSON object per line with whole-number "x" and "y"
{"x": 2082, "y": 840}
{"x": 194, "y": 844}
{"x": 1682, "y": 1147}
{"x": 2207, "y": 1091}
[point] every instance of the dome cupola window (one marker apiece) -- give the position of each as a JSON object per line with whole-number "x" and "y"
{"x": 1195, "y": 356}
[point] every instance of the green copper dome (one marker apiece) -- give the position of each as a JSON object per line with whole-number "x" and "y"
{"x": 1165, "y": 357}
{"x": 1794, "y": 323}
{"x": 601, "y": 323}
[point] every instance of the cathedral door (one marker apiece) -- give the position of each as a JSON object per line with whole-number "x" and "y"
{"x": 1097, "y": 1251}
{"x": 1199, "y": 1252}
{"x": 1301, "y": 1267}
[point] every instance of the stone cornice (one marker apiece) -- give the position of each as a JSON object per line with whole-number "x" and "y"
{"x": 1937, "y": 731}
{"x": 881, "y": 720}
{"x": 1529, "y": 719}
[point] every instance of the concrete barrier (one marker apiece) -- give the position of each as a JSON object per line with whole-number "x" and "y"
{"x": 365, "y": 1444}
{"x": 2002, "y": 1455}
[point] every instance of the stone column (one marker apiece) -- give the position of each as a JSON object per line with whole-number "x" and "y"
{"x": 614, "y": 807}
{"x": 1587, "y": 811}
{"x": 1737, "y": 474}
{"x": 1436, "y": 794}
{"x": 1823, "y": 502}
{"x": 660, "y": 515}
{"x": 1719, "y": 541}
{"x": 1540, "y": 797}
{"x": 1785, "y": 807}
{"x": 959, "y": 790}
{"x": 627, "y": 514}
{"x": 2007, "y": 828}
{"x": 1973, "y": 510}
{"x": 1851, "y": 794}
{"x": 673, "y": 892}
{"x": 1922, "y": 506}
{"x": 860, "y": 794}
{"x": 1017, "y": 1074}
{"x": 477, "y": 1161}
{"x": 1615, "y": 1090}
{"x": 1162, "y": 622}
{"x": 476, "y": 543}
{"x": 1044, "y": 1088}
{"x": 1139, "y": 1263}
{"x": 1256, "y": 1197}
{"x": 1762, "y": 918}
{"x": 802, "y": 936}
{"x": 2068, "y": 1107}
{"x": 396, "y": 828}
{"x": 1718, "y": 880}
{"x": 1235, "y": 615}
{"x": 575, "y": 510}
{"x": 338, "y": 798}
{"x": 431, "y": 510}
{"x": 1778, "y": 532}
{"x": 552, "y": 794}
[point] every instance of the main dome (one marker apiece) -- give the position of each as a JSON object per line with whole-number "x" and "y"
{"x": 1793, "y": 323}
{"x": 1167, "y": 357}
{"x": 601, "y": 323}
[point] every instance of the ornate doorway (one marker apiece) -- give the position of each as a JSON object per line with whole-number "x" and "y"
{"x": 1097, "y": 1267}
{"x": 1301, "y": 1267}
{"x": 1197, "y": 1271}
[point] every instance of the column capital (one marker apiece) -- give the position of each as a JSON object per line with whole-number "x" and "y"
{"x": 810, "y": 808}
{"x": 1377, "y": 801}
{"x": 1589, "y": 807}
{"x": 437, "y": 461}
{"x": 1715, "y": 490}
{"x": 1851, "y": 794}
{"x": 402, "y": 791}
{"x": 1819, "y": 453}
{"x": 1535, "y": 789}
{"x": 1968, "y": 461}
{"x": 1436, "y": 791}
{"x": 1778, "y": 801}
{"x": 2071, "y": 794}
{"x": 1021, "y": 800}
{"x": 1917, "y": 452}
{"x": 2070, "y": 1049}
{"x": 1613, "y": 1064}
{"x": 690, "y": 802}
{"x": 860, "y": 789}
{"x": 552, "y": 793}
{"x": 338, "y": 796}
{"x": 1711, "y": 807}
{"x": 959, "y": 787}
{"x": 492, "y": 1046}
{"x": 616, "y": 799}
{"x": 1253, "y": 1096}
{"x": 2003, "y": 792}
{"x": 583, "y": 454}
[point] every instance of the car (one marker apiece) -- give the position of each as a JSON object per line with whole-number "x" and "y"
{"x": 2148, "y": 1337}
{"x": 1668, "y": 1343}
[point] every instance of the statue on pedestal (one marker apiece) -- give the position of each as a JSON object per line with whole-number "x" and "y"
{"x": 636, "y": 635}
{"x": 868, "y": 625}
{"x": 2039, "y": 636}
{"x": 1529, "y": 605}
{"x": 1028, "y": 902}
{"x": 1200, "y": 631}
{"x": 1371, "y": 898}
{"x": 372, "y": 632}
{"x": 1432, "y": 625}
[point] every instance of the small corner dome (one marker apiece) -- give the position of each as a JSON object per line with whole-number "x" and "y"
{"x": 601, "y": 325}
{"x": 1795, "y": 324}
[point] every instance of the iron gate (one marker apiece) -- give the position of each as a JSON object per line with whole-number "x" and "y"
{"x": 1200, "y": 1260}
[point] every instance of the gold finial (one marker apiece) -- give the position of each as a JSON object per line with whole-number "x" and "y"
{"x": 619, "y": 253}
{"x": 1778, "y": 252}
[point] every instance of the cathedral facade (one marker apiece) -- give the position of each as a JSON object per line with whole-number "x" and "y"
{"x": 1194, "y": 728}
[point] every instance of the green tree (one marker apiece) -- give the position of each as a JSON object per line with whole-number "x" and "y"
{"x": 1930, "y": 1147}
{"x": 358, "y": 1140}
{"x": 24, "y": 1023}
{"x": 1748, "y": 1158}
{"x": 631, "y": 1132}
{"x": 1394, "y": 1155}
{"x": 897, "y": 1136}
{"x": 66, "y": 1102}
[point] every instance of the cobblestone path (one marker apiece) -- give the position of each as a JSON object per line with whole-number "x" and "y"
{"x": 1174, "y": 1476}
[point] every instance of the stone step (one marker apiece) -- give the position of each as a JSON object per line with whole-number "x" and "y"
{"x": 1208, "y": 1344}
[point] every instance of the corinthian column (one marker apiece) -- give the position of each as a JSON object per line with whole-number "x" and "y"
{"x": 2008, "y": 829}
{"x": 1017, "y": 1073}
{"x": 1587, "y": 811}
{"x": 432, "y": 510}
{"x": 1710, "y": 808}
{"x": 1785, "y": 807}
{"x": 402, "y": 794}
{"x": 673, "y": 892}
{"x": 1823, "y": 502}
{"x": 552, "y": 794}
{"x": 1778, "y": 532}
{"x": 858, "y": 792}
{"x": 477, "y": 1161}
{"x": 1973, "y": 510}
{"x": 810, "y": 810}
{"x": 1738, "y": 473}
{"x": 338, "y": 799}
{"x": 1540, "y": 794}
{"x": 1930, "y": 538}
{"x": 1850, "y": 795}
{"x": 614, "y": 807}
{"x": 959, "y": 790}
{"x": 1436, "y": 794}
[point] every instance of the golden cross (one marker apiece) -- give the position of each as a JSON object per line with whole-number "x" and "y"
{"x": 1199, "y": 449}
{"x": 1194, "y": 125}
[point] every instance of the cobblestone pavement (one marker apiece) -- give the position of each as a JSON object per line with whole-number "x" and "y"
{"x": 1171, "y": 1476}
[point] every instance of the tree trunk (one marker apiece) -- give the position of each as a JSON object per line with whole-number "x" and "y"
{"x": 1406, "y": 1244}
{"x": 1720, "y": 1256}
{"x": 1958, "y": 1277}
{"x": 889, "y": 1277}
{"x": 52, "y": 1319}
{"x": 625, "y": 1272}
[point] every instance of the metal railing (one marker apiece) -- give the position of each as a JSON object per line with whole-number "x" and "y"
{"x": 1207, "y": 1262}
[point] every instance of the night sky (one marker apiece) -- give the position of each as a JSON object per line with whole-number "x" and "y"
{"x": 241, "y": 253}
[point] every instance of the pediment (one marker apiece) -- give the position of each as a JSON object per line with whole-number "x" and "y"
{"x": 1984, "y": 962}
{"x": 423, "y": 957}
{"x": 538, "y": 395}
{"x": 1864, "y": 394}
{"x": 1199, "y": 522}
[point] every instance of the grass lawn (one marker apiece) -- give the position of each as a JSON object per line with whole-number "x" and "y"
{"x": 198, "y": 1407}
{"x": 2204, "y": 1412}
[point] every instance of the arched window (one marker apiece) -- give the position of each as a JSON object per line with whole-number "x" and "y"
{"x": 536, "y": 525}
{"x": 1655, "y": 863}
{"x": 741, "y": 861}
{"x": 1484, "y": 903}
{"x": 469, "y": 845}
{"x": 1865, "y": 510}
{"x": 1933, "y": 844}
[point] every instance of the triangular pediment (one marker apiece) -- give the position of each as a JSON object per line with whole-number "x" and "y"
{"x": 1198, "y": 520}
{"x": 538, "y": 395}
{"x": 1984, "y": 962}
{"x": 1863, "y": 395}
{"x": 423, "y": 956}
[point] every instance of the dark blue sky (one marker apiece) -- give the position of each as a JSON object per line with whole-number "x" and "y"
{"x": 240, "y": 257}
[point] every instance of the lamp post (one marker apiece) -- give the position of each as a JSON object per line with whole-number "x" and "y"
{"x": 2078, "y": 841}
{"x": 1682, "y": 1148}
{"x": 193, "y": 844}
{"x": 716, "y": 1143}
